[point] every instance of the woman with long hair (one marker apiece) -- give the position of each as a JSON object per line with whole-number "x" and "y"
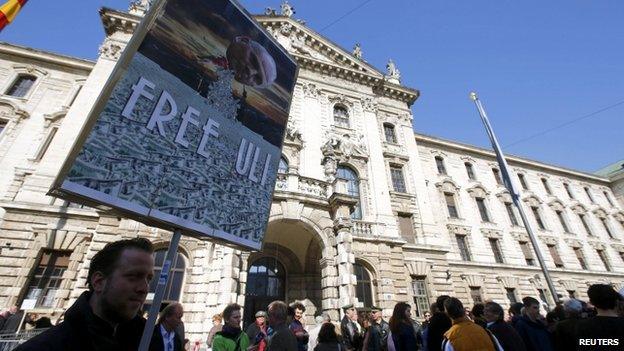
{"x": 403, "y": 334}
{"x": 327, "y": 339}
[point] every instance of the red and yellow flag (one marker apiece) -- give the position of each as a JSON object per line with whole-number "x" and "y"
{"x": 9, "y": 10}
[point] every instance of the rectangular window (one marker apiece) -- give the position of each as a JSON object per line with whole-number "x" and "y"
{"x": 562, "y": 221}
{"x": 46, "y": 143}
{"x": 440, "y": 164}
{"x": 450, "y": 205}
{"x": 341, "y": 116}
{"x": 389, "y": 133}
{"x": 603, "y": 258}
{"x": 462, "y": 245}
{"x": 496, "y": 250}
{"x": 47, "y": 277}
{"x": 622, "y": 255}
{"x": 511, "y": 295}
{"x": 406, "y": 226}
{"x": 421, "y": 298}
{"x": 523, "y": 181}
{"x": 497, "y": 176}
{"x": 482, "y": 209}
{"x": 580, "y": 257}
{"x": 606, "y": 194}
{"x": 398, "y": 182}
{"x": 3, "y": 125}
{"x": 475, "y": 293}
{"x": 585, "y": 224}
{"x": 470, "y": 171}
{"x": 606, "y": 227}
{"x": 589, "y": 195}
{"x": 538, "y": 218}
{"x": 527, "y": 252}
{"x": 21, "y": 86}
{"x": 568, "y": 190}
{"x": 546, "y": 186}
{"x": 554, "y": 253}
{"x": 511, "y": 213}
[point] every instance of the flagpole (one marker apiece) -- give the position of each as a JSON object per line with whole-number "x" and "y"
{"x": 515, "y": 196}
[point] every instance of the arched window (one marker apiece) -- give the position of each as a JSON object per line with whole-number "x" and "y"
{"x": 22, "y": 85}
{"x": 176, "y": 275}
{"x": 389, "y": 133}
{"x": 363, "y": 289}
{"x": 353, "y": 188}
{"x": 265, "y": 284}
{"x": 341, "y": 116}
{"x": 283, "y": 165}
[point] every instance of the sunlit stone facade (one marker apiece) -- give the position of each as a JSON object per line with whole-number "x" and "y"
{"x": 364, "y": 211}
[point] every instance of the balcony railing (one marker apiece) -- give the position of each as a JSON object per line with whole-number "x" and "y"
{"x": 303, "y": 185}
{"x": 366, "y": 229}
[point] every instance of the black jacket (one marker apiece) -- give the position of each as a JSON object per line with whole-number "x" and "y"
{"x": 351, "y": 338}
{"x": 507, "y": 336}
{"x": 157, "y": 341}
{"x": 438, "y": 325}
{"x": 84, "y": 331}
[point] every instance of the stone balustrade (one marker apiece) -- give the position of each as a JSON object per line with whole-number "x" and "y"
{"x": 303, "y": 185}
{"x": 365, "y": 229}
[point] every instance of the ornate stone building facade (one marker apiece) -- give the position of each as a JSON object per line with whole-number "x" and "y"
{"x": 364, "y": 210}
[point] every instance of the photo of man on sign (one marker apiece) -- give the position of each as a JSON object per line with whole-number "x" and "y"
{"x": 191, "y": 134}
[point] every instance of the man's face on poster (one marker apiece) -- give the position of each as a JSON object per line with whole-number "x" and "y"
{"x": 251, "y": 62}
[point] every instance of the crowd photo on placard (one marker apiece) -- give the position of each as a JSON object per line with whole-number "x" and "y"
{"x": 108, "y": 316}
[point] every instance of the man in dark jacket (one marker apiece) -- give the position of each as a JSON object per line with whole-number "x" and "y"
{"x": 438, "y": 325}
{"x": 506, "y": 335}
{"x": 165, "y": 337}
{"x": 282, "y": 339}
{"x": 296, "y": 326}
{"x": 352, "y": 332}
{"x": 606, "y": 327}
{"x": 378, "y": 331}
{"x": 565, "y": 330}
{"x": 107, "y": 316}
{"x": 531, "y": 328}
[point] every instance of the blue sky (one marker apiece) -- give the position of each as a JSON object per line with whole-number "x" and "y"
{"x": 535, "y": 64}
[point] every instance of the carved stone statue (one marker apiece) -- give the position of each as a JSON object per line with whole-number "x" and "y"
{"x": 350, "y": 147}
{"x": 357, "y": 51}
{"x": 139, "y": 7}
{"x": 287, "y": 10}
{"x": 298, "y": 43}
{"x": 270, "y": 11}
{"x": 393, "y": 73}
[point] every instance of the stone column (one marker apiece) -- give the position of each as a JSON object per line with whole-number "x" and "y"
{"x": 341, "y": 203}
{"x": 345, "y": 260}
{"x": 228, "y": 285}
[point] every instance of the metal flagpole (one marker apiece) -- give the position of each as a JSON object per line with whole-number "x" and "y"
{"x": 515, "y": 196}
{"x": 160, "y": 291}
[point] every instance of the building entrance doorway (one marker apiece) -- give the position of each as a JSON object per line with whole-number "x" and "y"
{"x": 265, "y": 283}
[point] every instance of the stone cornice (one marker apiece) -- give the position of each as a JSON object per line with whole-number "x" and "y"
{"x": 354, "y": 70}
{"x": 359, "y": 72}
{"x": 319, "y": 42}
{"x": 513, "y": 160}
{"x": 114, "y": 21}
{"x": 379, "y": 84}
{"x": 38, "y": 209}
{"x": 46, "y": 57}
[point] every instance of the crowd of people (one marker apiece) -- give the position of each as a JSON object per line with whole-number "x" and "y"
{"x": 108, "y": 317}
